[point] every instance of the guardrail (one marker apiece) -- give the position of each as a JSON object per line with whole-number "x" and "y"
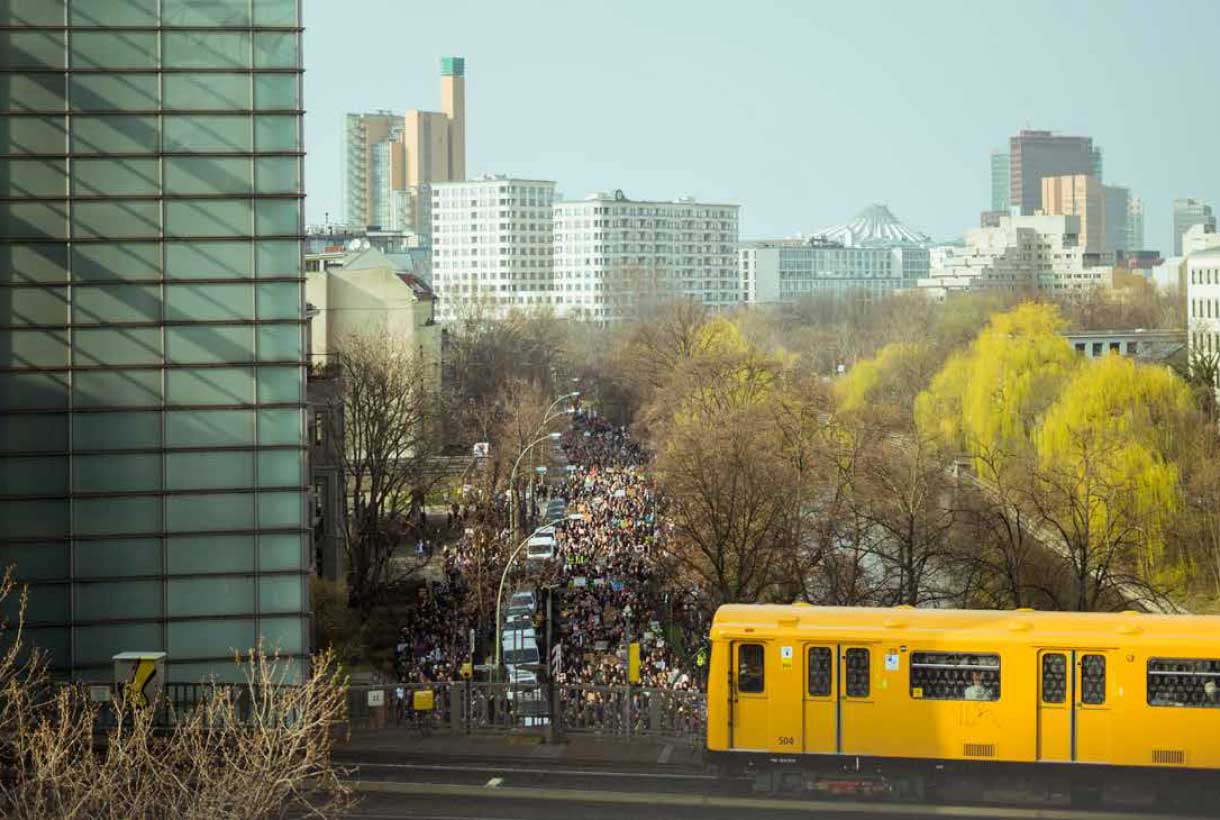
{"x": 610, "y": 711}
{"x": 474, "y": 708}
{"x": 173, "y": 702}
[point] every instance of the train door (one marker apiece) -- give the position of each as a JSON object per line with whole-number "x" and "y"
{"x": 821, "y": 701}
{"x": 1055, "y": 699}
{"x": 855, "y": 687}
{"x": 1073, "y": 710}
{"x": 748, "y": 708}
{"x": 1092, "y": 709}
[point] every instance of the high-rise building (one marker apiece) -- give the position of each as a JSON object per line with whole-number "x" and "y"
{"x": 1118, "y": 221}
{"x": 1077, "y": 195}
{"x": 1135, "y": 223}
{"x": 152, "y": 379}
{"x": 1037, "y": 154}
{"x": 436, "y": 145}
{"x": 391, "y": 161}
{"x": 492, "y": 245}
{"x": 1001, "y": 182}
{"x": 1187, "y": 212}
{"x": 374, "y": 165}
{"x": 613, "y": 253}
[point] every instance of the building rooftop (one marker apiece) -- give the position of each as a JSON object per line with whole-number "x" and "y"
{"x": 875, "y": 226}
{"x": 619, "y": 196}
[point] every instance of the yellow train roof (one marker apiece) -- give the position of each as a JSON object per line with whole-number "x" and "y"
{"x": 899, "y": 623}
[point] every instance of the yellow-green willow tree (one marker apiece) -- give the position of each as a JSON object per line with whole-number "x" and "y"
{"x": 891, "y": 379}
{"x": 1106, "y": 474}
{"x": 987, "y": 400}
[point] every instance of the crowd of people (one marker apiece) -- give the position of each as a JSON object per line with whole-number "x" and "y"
{"x": 607, "y": 567}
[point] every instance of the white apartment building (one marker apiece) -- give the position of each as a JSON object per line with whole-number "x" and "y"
{"x": 612, "y": 252}
{"x": 785, "y": 270}
{"x": 492, "y": 243}
{"x": 1021, "y": 253}
{"x": 1203, "y": 302}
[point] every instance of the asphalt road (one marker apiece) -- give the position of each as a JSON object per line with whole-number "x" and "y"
{"x": 508, "y": 790}
{"x": 489, "y": 806}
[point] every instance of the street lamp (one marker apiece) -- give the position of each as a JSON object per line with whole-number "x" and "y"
{"x": 512, "y": 479}
{"x": 575, "y": 394}
{"x": 504, "y": 577}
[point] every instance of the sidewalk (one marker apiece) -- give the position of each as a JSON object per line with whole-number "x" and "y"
{"x": 389, "y": 744}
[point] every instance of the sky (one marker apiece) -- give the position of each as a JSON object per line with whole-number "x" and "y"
{"x": 803, "y": 112}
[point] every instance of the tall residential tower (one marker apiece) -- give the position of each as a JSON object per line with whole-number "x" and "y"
{"x": 374, "y": 167}
{"x": 391, "y": 161}
{"x": 492, "y": 246}
{"x": 152, "y": 379}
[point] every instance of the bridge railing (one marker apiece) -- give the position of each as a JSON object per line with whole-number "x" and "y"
{"x": 476, "y": 707}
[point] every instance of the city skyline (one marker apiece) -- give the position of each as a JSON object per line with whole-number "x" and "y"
{"x": 875, "y": 134}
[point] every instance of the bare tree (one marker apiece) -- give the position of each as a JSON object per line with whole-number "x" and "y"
{"x": 900, "y": 486}
{"x": 729, "y": 500}
{"x": 259, "y": 749}
{"x": 654, "y": 348}
{"x": 389, "y": 433}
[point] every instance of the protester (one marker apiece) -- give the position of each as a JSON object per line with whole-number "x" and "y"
{"x": 606, "y": 566}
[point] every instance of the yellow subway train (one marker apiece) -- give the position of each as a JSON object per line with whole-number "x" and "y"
{"x": 802, "y": 683}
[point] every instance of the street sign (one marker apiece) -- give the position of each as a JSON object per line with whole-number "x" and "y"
{"x": 376, "y": 697}
{"x": 481, "y": 449}
{"x": 633, "y": 663}
{"x": 556, "y": 660}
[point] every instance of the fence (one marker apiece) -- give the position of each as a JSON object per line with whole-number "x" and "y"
{"x": 610, "y": 711}
{"x": 175, "y": 701}
{"x": 607, "y": 711}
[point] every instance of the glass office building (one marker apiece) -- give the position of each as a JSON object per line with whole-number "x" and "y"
{"x": 152, "y": 460}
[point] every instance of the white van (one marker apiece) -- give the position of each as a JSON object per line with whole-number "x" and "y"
{"x": 540, "y": 548}
{"x": 519, "y": 647}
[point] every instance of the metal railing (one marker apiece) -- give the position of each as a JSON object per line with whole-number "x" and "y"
{"x": 609, "y": 711}
{"x": 174, "y": 702}
{"x": 462, "y": 707}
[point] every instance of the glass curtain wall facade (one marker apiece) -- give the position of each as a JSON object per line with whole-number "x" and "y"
{"x": 152, "y": 452}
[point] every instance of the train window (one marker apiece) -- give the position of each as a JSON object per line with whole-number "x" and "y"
{"x": 820, "y": 671}
{"x": 750, "y": 678}
{"x": 1093, "y": 679}
{"x": 1054, "y": 678}
{"x": 955, "y": 676}
{"x": 1193, "y": 682}
{"x": 856, "y": 674}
